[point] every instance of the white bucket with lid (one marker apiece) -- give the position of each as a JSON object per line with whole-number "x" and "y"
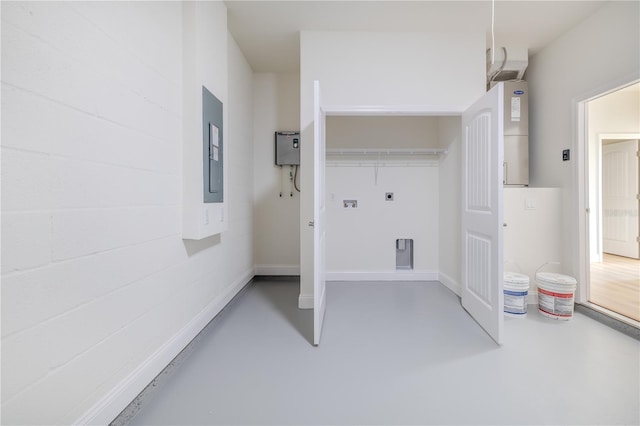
{"x": 516, "y": 289}
{"x": 556, "y": 295}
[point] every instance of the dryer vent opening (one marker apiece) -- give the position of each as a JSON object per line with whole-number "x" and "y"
{"x": 404, "y": 254}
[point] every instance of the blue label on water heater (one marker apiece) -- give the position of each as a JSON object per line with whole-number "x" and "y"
{"x": 518, "y": 92}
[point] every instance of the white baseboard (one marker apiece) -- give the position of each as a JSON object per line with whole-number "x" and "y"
{"x": 449, "y": 282}
{"x": 108, "y": 408}
{"x": 383, "y": 276}
{"x": 305, "y": 301}
{"x": 532, "y": 298}
{"x": 277, "y": 270}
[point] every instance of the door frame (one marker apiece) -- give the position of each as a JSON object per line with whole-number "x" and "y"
{"x": 599, "y": 238}
{"x": 366, "y": 110}
{"x": 319, "y": 214}
{"x": 582, "y": 257}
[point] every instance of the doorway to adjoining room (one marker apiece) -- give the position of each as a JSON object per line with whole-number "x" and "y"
{"x": 614, "y": 185}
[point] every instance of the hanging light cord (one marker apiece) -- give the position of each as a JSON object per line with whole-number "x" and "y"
{"x": 493, "y": 35}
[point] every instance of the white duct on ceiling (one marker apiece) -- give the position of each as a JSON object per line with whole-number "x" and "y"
{"x": 509, "y": 63}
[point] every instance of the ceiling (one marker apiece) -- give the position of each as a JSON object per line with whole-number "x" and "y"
{"x": 267, "y": 31}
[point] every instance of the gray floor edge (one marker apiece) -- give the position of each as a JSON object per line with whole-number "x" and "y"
{"x": 130, "y": 411}
{"x": 620, "y": 326}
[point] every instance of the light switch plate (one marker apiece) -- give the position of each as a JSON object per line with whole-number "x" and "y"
{"x": 529, "y": 204}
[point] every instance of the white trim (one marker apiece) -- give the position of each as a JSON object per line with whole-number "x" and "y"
{"x": 277, "y": 270}
{"x": 117, "y": 399}
{"x": 305, "y": 301}
{"x": 628, "y": 321}
{"x": 401, "y": 110}
{"x": 450, "y": 283}
{"x": 581, "y": 254}
{"x": 383, "y": 276}
{"x": 598, "y": 205}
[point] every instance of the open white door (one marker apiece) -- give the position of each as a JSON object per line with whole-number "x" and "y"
{"x": 620, "y": 198}
{"x": 482, "y": 211}
{"x": 319, "y": 209}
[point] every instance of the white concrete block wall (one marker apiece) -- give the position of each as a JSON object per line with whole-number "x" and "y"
{"x": 99, "y": 291}
{"x": 204, "y": 59}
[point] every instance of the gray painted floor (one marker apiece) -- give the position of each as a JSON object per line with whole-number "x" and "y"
{"x": 395, "y": 353}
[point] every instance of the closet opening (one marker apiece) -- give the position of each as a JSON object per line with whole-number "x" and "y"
{"x": 384, "y": 190}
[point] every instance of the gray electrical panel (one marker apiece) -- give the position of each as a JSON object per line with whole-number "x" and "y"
{"x": 212, "y": 148}
{"x": 287, "y": 148}
{"x": 516, "y": 133}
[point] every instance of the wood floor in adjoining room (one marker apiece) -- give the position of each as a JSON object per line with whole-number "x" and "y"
{"x": 615, "y": 285}
{"x": 394, "y": 353}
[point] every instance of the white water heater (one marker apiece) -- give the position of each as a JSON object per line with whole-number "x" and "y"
{"x": 516, "y": 133}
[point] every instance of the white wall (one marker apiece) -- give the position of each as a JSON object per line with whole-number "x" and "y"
{"x": 601, "y": 50}
{"x": 276, "y": 219}
{"x": 615, "y": 113}
{"x": 400, "y": 132}
{"x": 450, "y": 197}
{"x": 99, "y": 291}
{"x": 429, "y": 71}
{"x": 533, "y": 235}
{"x": 361, "y": 241}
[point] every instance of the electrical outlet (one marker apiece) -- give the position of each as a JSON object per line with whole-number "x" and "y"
{"x": 566, "y": 155}
{"x": 350, "y": 204}
{"x": 388, "y": 196}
